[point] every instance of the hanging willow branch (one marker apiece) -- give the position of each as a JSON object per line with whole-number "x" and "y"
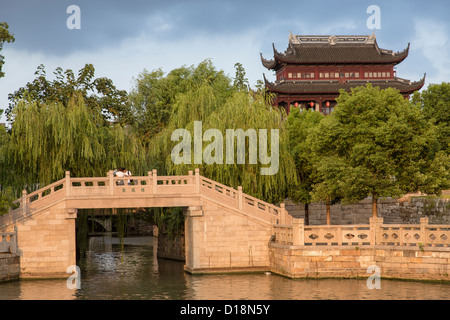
{"x": 243, "y": 111}
{"x": 48, "y": 139}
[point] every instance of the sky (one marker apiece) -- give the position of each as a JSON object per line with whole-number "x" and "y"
{"x": 123, "y": 38}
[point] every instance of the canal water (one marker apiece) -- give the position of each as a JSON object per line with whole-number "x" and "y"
{"x": 133, "y": 272}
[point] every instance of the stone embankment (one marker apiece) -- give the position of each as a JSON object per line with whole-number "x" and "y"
{"x": 407, "y": 210}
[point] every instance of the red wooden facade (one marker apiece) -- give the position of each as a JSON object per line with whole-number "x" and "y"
{"x": 310, "y": 73}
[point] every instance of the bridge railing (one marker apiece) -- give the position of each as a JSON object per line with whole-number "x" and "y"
{"x": 8, "y": 242}
{"x": 152, "y": 184}
{"x": 244, "y": 202}
{"x": 374, "y": 233}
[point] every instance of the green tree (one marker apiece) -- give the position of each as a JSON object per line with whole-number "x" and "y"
{"x": 5, "y": 37}
{"x": 435, "y": 103}
{"x": 99, "y": 94}
{"x": 6, "y": 200}
{"x": 376, "y": 144}
{"x": 299, "y": 126}
{"x": 153, "y": 97}
{"x": 240, "y": 81}
{"x": 243, "y": 111}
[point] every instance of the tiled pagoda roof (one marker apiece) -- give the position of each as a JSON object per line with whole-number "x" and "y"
{"x": 334, "y": 50}
{"x": 333, "y": 86}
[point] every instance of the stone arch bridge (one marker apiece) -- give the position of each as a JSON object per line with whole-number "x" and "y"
{"x": 225, "y": 229}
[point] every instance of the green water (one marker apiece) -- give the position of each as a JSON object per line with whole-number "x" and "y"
{"x": 135, "y": 273}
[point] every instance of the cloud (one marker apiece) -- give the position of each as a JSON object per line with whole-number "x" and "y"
{"x": 432, "y": 40}
{"x": 125, "y": 60}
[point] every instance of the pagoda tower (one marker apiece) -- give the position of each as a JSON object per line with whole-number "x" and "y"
{"x": 312, "y": 70}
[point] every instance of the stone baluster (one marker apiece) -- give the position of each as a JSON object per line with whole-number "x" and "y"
{"x": 298, "y": 232}
{"x": 240, "y": 197}
{"x": 111, "y": 181}
{"x": 191, "y": 177}
{"x": 375, "y": 227}
{"x": 24, "y": 202}
{"x": 197, "y": 179}
{"x": 68, "y": 184}
{"x": 423, "y": 230}
{"x": 283, "y": 214}
{"x": 155, "y": 181}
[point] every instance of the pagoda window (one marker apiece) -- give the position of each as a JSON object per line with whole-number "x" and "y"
{"x": 366, "y": 74}
{"x": 327, "y": 75}
{"x": 336, "y": 74}
{"x": 307, "y": 75}
{"x": 388, "y": 74}
{"x": 347, "y": 75}
{"x": 289, "y": 75}
{"x": 299, "y": 75}
{"x": 383, "y": 74}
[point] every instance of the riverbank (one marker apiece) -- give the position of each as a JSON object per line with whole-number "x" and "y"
{"x": 399, "y": 262}
{"x": 9, "y": 267}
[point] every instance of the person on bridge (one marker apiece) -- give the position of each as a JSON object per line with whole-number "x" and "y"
{"x": 120, "y": 173}
{"x": 127, "y": 173}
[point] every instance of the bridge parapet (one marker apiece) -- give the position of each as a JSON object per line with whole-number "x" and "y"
{"x": 151, "y": 185}
{"x": 375, "y": 233}
{"x": 8, "y": 242}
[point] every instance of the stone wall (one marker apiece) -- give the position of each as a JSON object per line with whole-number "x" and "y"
{"x": 9, "y": 267}
{"x": 170, "y": 247}
{"x": 392, "y": 210}
{"x": 139, "y": 226}
{"x": 396, "y": 262}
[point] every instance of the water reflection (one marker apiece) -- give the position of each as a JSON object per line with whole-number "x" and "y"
{"x": 108, "y": 272}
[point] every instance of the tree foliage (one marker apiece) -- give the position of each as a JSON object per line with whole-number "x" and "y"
{"x": 218, "y": 105}
{"x": 240, "y": 81}
{"x": 300, "y": 125}
{"x": 435, "y": 103}
{"x": 5, "y": 37}
{"x": 48, "y": 139}
{"x": 153, "y": 97}
{"x": 100, "y": 95}
{"x": 375, "y": 144}
{"x": 246, "y": 112}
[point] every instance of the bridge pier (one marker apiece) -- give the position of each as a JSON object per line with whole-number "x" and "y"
{"x": 222, "y": 240}
{"x": 193, "y": 228}
{"x": 46, "y": 243}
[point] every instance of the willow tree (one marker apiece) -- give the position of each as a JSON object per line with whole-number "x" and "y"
{"x": 7, "y": 195}
{"x": 154, "y": 94}
{"x": 375, "y": 143}
{"x": 231, "y": 163}
{"x": 48, "y": 139}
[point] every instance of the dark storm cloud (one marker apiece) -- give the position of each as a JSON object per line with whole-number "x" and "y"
{"x": 41, "y": 25}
